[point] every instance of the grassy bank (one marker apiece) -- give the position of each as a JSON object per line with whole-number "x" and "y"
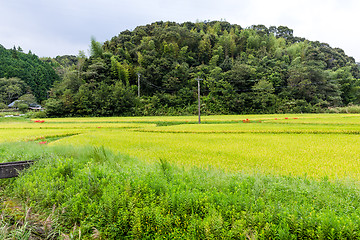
{"x": 91, "y": 193}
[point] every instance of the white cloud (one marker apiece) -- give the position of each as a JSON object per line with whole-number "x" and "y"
{"x": 51, "y": 28}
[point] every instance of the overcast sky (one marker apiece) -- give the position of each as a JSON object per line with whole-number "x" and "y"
{"x": 58, "y": 27}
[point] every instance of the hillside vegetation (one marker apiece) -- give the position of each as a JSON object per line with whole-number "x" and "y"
{"x": 245, "y": 70}
{"x": 22, "y": 74}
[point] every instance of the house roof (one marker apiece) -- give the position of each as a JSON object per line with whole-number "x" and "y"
{"x": 13, "y": 103}
{"x": 31, "y": 105}
{"x": 34, "y": 105}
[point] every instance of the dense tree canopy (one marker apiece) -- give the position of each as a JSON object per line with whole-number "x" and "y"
{"x": 245, "y": 70}
{"x": 22, "y": 73}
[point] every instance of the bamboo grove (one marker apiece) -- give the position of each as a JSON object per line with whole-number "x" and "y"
{"x": 245, "y": 70}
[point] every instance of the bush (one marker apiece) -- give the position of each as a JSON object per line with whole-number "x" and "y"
{"x": 353, "y": 109}
{"x": 38, "y": 114}
{"x": 54, "y": 108}
{"x": 3, "y": 106}
{"x": 347, "y": 109}
{"x": 23, "y": 107}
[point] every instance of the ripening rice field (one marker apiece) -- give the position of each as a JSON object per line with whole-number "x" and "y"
{"x": 313, "y": 145}
{"x": 230, "y": 177}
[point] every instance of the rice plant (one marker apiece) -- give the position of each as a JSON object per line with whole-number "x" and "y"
{"x": 121, "y": 197}
{"x": 268, "y": 177}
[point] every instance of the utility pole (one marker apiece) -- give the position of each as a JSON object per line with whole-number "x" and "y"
{"x": 199, "y": 79}
{"x": 138, "y": 84}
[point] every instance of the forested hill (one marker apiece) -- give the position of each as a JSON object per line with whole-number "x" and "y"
{"x": 22, "y": 73}
{"x": 245, "y": 70}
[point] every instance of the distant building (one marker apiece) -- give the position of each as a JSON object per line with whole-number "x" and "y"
{"x": 12, "y": 105}
{"x": 32, "y": 106}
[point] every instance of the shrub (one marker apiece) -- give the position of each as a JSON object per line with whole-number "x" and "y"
{"x": 3, "y": 105}
{"x": 347, "y": 109}
{"x": 37, "y": 114}
{"x": 23, "y": 107}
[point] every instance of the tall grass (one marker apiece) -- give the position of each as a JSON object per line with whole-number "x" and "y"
{"x": 347, "y": 109}
{"x": 95, "y": 193}
{"x": 10, "y": 152}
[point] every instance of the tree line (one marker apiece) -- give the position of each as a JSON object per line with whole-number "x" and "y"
{"x": 257, "y": 69}
{"x": 24, "y": 76}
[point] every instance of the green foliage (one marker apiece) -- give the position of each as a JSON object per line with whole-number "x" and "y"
{"x": 348, "y": 109}
{"x": 3, "y": 105}
{"x": 37, "y": 75}
{"x": 95, "y": 48}
{"x": 23, "y": 107}
{"x": 36, "y": 114}
{"x": 11, "y": 89}
{"x": 28, "y": 99}
{"x": 236, "y": 63}
{"x": 113, "y": 196}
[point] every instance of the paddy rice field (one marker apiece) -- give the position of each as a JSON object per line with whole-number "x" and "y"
{"x": 230, "y": 177}
{"x": 313, "y": 145}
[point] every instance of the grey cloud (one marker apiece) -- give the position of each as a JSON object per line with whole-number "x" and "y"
{"x": 57, "y": 27}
